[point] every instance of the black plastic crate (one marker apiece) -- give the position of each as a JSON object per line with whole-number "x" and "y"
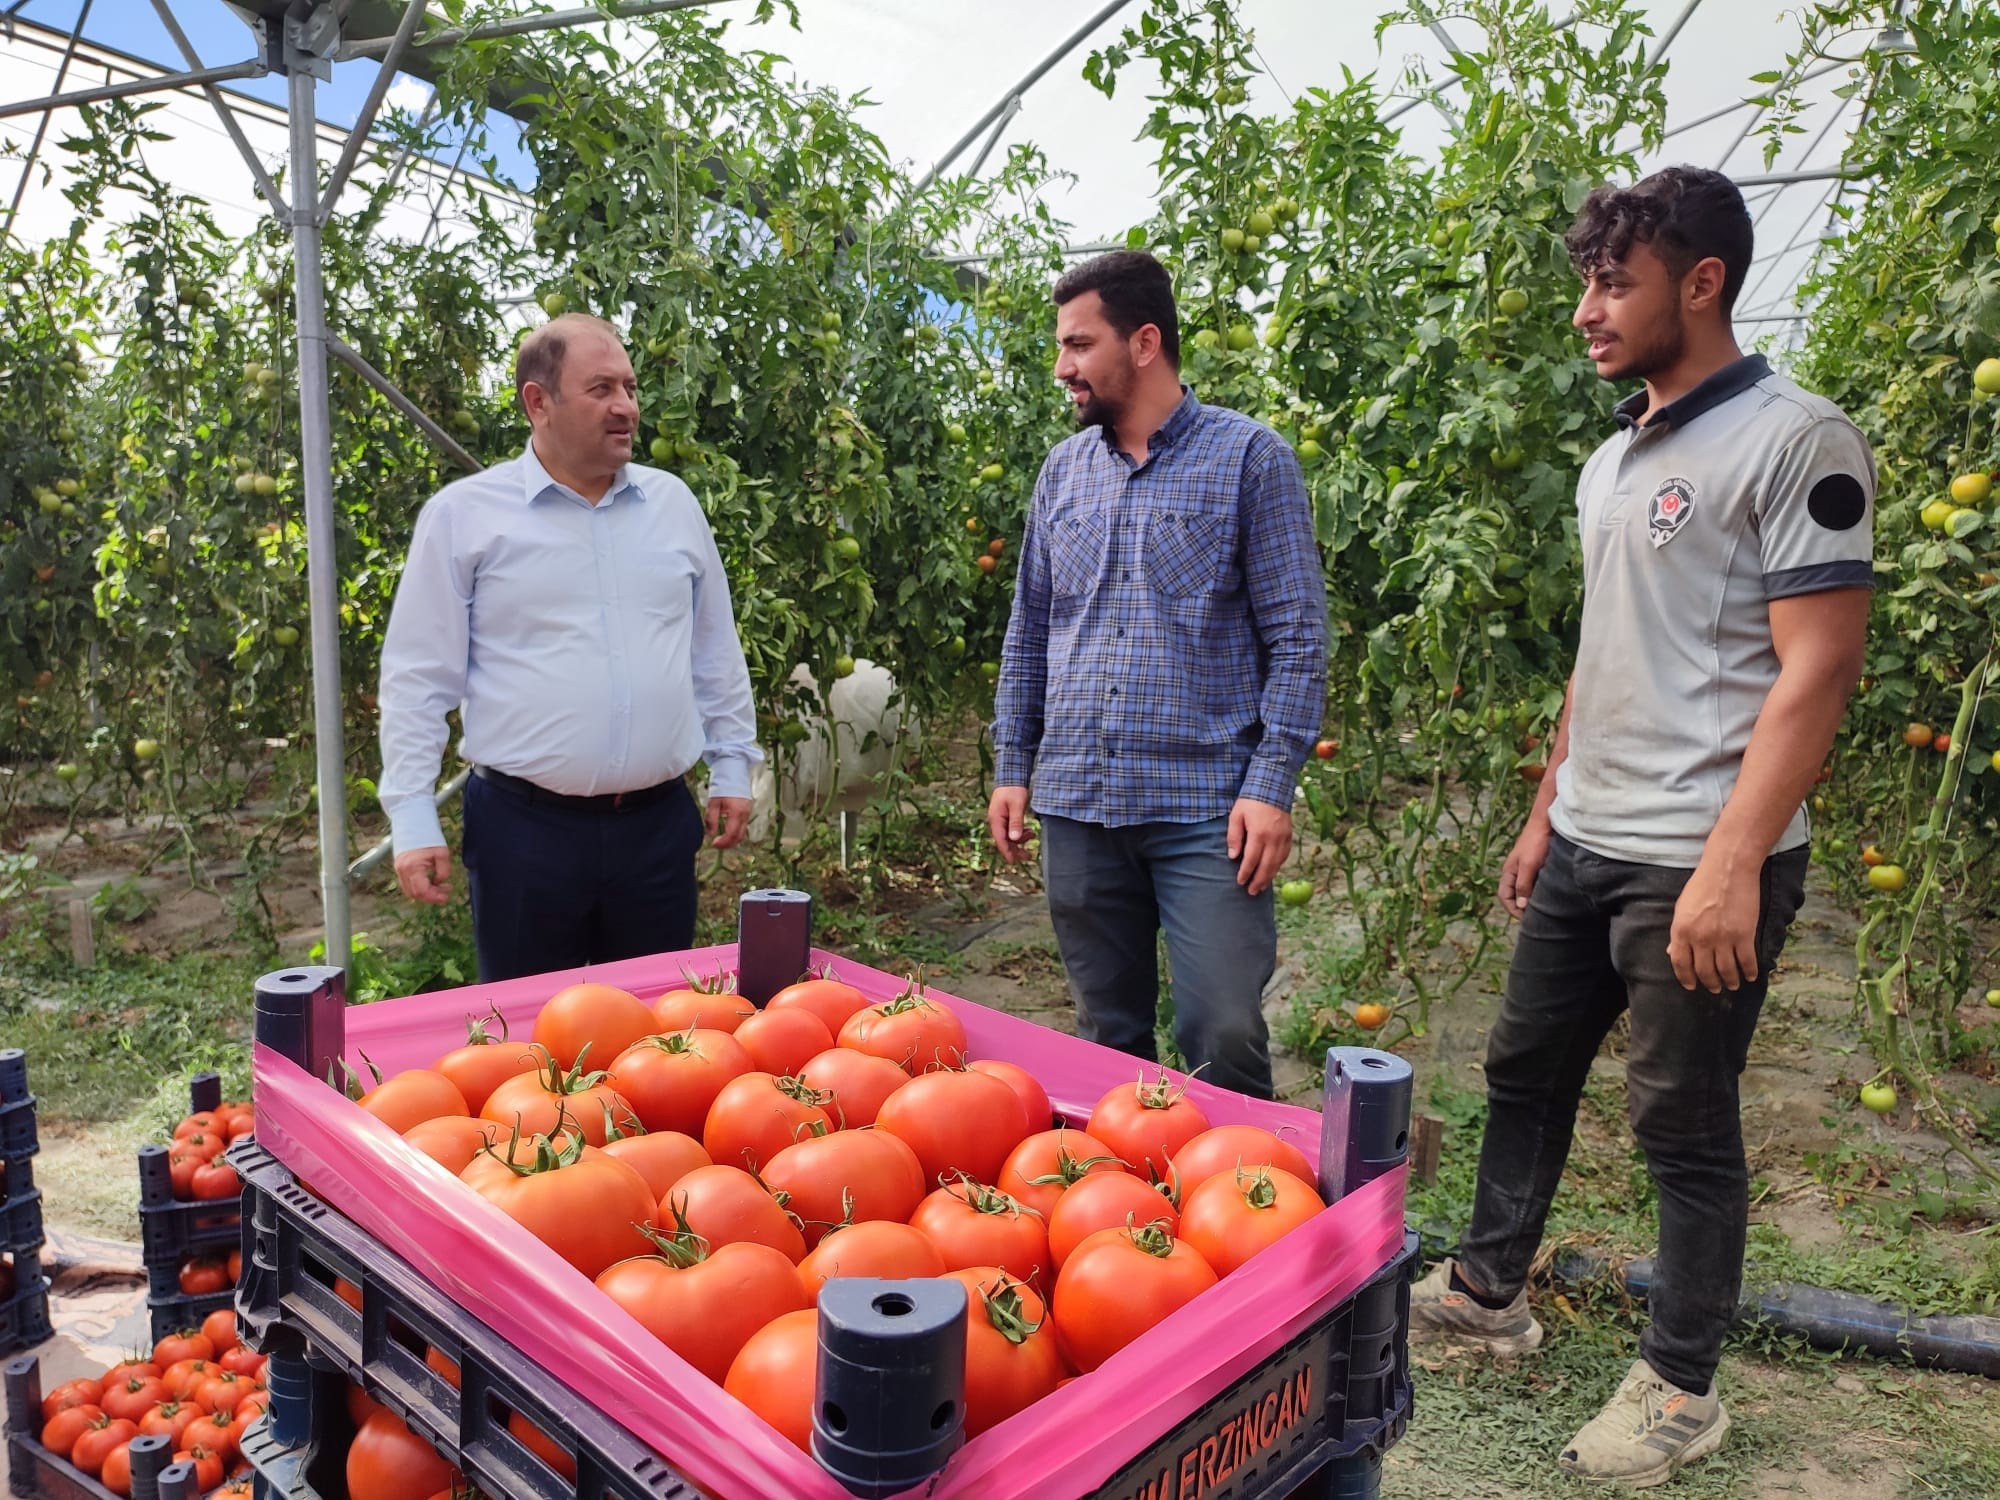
{"x": 170, "y": 1230}
{"x": 38, "y": 1474}
{"x": 18, "y": 1139}
{"x": 171, "y": 1314}
{"x": 17, "y": 1176}
{"x": 24, "y": 1317}
{"x": 297, "y": 1248}
{"x": 21, "y": 1222}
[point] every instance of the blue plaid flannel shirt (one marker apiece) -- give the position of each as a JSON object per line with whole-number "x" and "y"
{"x": 1167, "y": 650}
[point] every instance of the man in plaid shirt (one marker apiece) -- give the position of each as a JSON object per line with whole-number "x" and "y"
{"x": 1163, "y": 679}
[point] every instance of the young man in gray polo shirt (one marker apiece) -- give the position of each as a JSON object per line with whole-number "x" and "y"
{"x": 1726, "y": 535}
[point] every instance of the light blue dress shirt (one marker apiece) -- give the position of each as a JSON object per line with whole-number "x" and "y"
{"x": 589, "y": 648}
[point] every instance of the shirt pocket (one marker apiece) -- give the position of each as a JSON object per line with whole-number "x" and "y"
{"x": 662, "y": 585}
{"x": 1077, "y": 543}
{"x": 1185, "y": 553}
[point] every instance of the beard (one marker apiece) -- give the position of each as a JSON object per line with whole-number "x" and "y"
{"x": 1660, "y": 349}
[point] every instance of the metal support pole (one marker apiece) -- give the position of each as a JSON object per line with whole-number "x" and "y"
{"x": 1028, "y": 81}
{"x": 42, "y": 129}
{"x": 228, "y": 116}
{"x": 127, "y": 90}
{"x": 1666, "y": 38}
{"x": 999, "y": 126}
{"x": 363, "y": 866}
{"x": 440, "y": 439}
{"x": 316, "y": 465}
{"x": 365, "y": 121}
{"x": 1785, "y": 179}
{"x": 558, "y": 20}
{"x": 1729, "y": 109}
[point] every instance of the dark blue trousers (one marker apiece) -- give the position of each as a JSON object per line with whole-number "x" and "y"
{"x": 556, "y": 887}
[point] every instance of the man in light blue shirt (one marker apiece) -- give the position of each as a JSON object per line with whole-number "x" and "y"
{"x": 571, "y": 604}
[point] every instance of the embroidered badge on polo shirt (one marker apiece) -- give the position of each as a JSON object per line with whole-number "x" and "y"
{"x": 1672, "y": 504}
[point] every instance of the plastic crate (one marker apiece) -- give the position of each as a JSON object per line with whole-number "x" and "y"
{"x": 17, "y": 1108}
{"x": 36, "y": 1473}
{"x": 172, "y": 1314}
{"x": 21, "y": 1221}
{"x": 170, "y": 1230}
{"x": 24, "y": 1317}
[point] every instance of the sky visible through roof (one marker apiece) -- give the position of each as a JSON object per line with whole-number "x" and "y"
{"x": 931, "y": 67}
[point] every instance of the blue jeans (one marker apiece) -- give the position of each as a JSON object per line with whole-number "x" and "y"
{"x": 1111, "y": 893}
{"x": 1592, "y": 945}
{"x": 556, "y": 887}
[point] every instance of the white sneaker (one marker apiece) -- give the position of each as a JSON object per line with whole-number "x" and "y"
{"x": 1442, "y": 1314}
{"x": 1646, "y": 1433}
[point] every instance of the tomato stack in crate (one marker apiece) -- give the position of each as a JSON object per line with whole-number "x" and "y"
{"x": 24, "y": 1288}
{"x": 190, "y": 1210}
{"x": 469, "y": 1279}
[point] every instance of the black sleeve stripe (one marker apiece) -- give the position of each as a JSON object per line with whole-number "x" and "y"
{"x": 1816, "y": 578}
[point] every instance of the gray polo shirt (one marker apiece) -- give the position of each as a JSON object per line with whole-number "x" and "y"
{"x": 1745, "y": 490}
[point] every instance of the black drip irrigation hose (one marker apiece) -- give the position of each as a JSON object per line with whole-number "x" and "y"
{"x": 1845, "y": 1322}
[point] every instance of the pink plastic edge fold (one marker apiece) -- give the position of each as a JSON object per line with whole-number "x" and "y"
{"x": 561, "y": 1323}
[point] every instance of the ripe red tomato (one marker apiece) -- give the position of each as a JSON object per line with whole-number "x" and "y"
{"x": 858, "y": 1082}
{"x": 387, "y": 1461}
{"x": 188, "y": 1343}
{"x": 757, "y": 1115}
{"x": 1327, "y": 749}
{"x": 60, "y": 1432}
{"x": 584, "y": 1208}
{"x": 1039, "y": 1169}
{"x": 116, "y": 1475}
{"x": 480, "y": 1067}
{"x": 912, "y": 1031}
{"x": 209, "y": 1465}
{"x": 1146, "y": 1123}
{"x": 1106, "y": 1200}
{"x": 201, "y": 1122}
{"x": 1233, "y": 1215}
{"x": 100, "y": 1439}
{"x": 202, "y": 1146}
{"x": 202, "y": 1277}
{"x": 956, "y": 1122}
{"x": 706, "y": 1310}
{"x": 171, "y": 1419}
{"x": 224, "y": 1390}
{"x": 775, "y": 1372}
{"x": 726, "y": 1205}
{"x": 1011, "y": 1356}
{"x": 662, "y": 1157}
{"x": 81, "y": 1392}
{"x": 129, "y": 1368}
{"x": 973, "y": 1225}
{"x": 826, "y": 997}
{"x": 703, "y": 1010}
{"x": 541, "y": 1445}
{"x": 134, "y": 1397}
{"x": 848, "y": 1176}
{"x": 180, "y": 1171}
{"x": 871, "y": 1247}
{"x": 1034, "y": 1098}
{"x": 216, "y": 1180}
{"x": 411, "y": 1097}
{"x": 453, "y": 1140}
{"x": 216, "y": 1431}
{"x": 184, "y": 1376}
{"x": 1117, "y": 1284}
{"x": 780, "y": 1041}
{"x": 600, "y": 1017}
{"x": 671, "y": 1080}
{"x": 542, "y": 1103}
{"x": 1224, "y": 1148}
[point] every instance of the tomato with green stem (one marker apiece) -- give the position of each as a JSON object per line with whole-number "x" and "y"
{"x": 1117, "y": 1284}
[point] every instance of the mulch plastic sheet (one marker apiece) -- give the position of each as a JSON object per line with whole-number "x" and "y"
{"x": 559, "y": 1321}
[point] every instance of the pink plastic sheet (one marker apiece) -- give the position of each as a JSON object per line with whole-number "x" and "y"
{"x": 564, "y": 1325}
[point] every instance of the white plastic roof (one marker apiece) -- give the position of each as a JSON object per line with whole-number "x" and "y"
{"x": 932, "y": 67}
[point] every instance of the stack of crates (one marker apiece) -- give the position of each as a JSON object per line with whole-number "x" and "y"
{"x": 24, "y": 1288}
{"x": 172, "y": 1232}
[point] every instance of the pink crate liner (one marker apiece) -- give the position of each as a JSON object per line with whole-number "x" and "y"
{"x": 564, "y": 1325}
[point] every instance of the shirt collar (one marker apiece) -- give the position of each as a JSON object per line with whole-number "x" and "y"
{"x": 1730, "y": 380}
{"x": 1178, "y": 421}
{"x": 536, "y": 480}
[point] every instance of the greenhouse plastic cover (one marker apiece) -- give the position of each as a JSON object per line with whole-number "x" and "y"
{"x": 553, "y": 1316}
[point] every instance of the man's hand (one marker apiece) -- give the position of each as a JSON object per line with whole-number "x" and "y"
{"x": 1713, "y": 941}
{"x": 425, "y": 874}
{"x": 1260, "y": 836}
{"x": 1007, "y": 821}
{"x": 727, "y": 820}
{"x": 1524, "y": 863}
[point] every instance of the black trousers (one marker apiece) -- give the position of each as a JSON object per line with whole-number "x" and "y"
{"x": 556, "y": 887}
{"x": 1593, "y": 944}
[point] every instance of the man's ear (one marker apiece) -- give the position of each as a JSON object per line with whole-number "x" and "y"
{"x": 1701, "y": 289}
{"x": 1145, "y": 344}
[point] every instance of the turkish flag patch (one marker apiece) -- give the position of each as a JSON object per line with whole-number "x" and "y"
{"x": 1668, "y": 511}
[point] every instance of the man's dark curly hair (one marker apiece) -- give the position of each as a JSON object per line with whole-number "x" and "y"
{"x": 1686, "y": 214}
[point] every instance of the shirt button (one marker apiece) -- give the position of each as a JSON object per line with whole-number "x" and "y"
{"x": 1121, "y": 629}
{"x": 1114, "y": 692}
